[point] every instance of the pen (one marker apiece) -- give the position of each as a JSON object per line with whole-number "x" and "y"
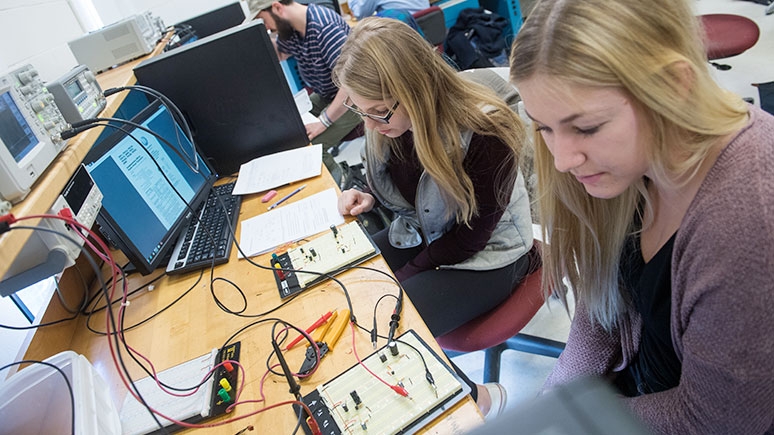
{"x": 286, "y": 197}
{"x": 324, "y": 318}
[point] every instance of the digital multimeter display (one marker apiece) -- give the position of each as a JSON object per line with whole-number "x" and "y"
{"x": 73, "y": 89}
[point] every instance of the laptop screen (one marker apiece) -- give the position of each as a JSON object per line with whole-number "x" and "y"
{"x": 149, "y": 188}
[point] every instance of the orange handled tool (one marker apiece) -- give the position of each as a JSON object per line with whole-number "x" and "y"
{"x": 336, "y": 329}
{"x": 319, "y": 322}
{"x": 319, "y": 333}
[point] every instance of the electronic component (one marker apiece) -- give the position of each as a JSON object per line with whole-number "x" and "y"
{"x": 330, "y": 253}
{"x": 393, "y": 346}
{"x": 211, "y": 400}
{"x": 116, "y": 43}
{"x": 356, "y": 398}
{"x": 77, "y": 94}
{"x": 45, "y": 254}
{"x": 355, "y": 402}
{"x": 30, "y": 124}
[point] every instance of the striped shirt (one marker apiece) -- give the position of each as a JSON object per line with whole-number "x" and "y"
{"x": 319, "y": 49}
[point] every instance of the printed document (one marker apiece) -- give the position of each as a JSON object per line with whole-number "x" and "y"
{"x": 279, "y": 169}
{"x": 290, "y": 222}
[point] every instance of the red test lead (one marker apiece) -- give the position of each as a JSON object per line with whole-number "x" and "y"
{"x": 400, "y": 390}
{"x": 6, "y": 221}
{"x": 8, "y": 218}
{"x": 324, "y": 318}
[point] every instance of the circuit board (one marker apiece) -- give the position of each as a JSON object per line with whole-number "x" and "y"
{"x": 356, "y": 403}
{"x": 330, "y": 253}
{"x": 209, "y": 401}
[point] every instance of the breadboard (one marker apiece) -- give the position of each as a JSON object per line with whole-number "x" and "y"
{"x": 380, "y": 410}
{"x": 330, "y": 253}
{"x": 205, "y": 403}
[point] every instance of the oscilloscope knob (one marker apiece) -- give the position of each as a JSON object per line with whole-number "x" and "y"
{"x": 26, "y": 77}
{"x": 38, "y": 105}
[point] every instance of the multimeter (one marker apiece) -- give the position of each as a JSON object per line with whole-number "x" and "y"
{"x": 77, "y": 95}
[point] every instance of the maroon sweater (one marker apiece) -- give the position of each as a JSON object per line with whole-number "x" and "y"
{"x": 722, "y": 319}
{"x": 482, "y": 163}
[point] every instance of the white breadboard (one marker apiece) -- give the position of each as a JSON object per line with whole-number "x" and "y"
{"x": 135, "y": 418}
{"x": 329, "y": 254}
{"x": 331, "y": 251}
{"x": 361, "y": 404}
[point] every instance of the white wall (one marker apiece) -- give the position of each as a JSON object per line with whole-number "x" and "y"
{"x": 173, "y": 11}
{"x": 37, "y": 31}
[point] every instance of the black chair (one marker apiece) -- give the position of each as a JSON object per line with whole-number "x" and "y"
{"x": 433, "y": 25}
{"x": 766, "y": 94}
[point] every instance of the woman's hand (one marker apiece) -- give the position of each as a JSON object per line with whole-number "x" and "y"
{"x": 354, "y": 202}
{"x": 314, "y": 129}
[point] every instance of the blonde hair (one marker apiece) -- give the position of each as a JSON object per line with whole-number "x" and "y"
{"x": 385, "y": 59}
{"x": 653, "y": 52}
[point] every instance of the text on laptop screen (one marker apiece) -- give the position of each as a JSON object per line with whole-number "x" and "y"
{"x": 147, "y": 186}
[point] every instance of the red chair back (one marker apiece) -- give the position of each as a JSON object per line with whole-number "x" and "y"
{"x": 728, "y": 35}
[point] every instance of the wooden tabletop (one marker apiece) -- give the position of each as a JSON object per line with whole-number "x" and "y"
{"x": 195, "y": 325}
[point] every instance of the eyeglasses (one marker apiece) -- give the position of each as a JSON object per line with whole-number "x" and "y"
{"x": 381, "y": 119}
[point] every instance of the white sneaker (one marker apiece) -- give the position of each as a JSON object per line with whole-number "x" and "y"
{"x": 499, "y": 397}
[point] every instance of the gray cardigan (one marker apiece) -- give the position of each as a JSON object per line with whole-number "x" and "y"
{"x": 512, "y": 237}
{"x": 722, "y": 317}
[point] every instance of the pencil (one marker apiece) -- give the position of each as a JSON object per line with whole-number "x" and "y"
{"x": 286, "y": 197}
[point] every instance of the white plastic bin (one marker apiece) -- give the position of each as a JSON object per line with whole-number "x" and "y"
{"x": 36, "y": 400}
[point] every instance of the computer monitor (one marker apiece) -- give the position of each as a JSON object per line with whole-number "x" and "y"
{"x": 216, "y": 20}
{"x": 142, "y": 214}
{"x": 232, "y": 91}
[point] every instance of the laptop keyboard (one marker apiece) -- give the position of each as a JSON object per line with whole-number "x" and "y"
{"x": 208, "y": 240}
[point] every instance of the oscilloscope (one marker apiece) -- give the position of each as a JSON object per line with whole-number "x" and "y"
{"x": 30, "y": 127}
{"x": 77, "y": 94}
